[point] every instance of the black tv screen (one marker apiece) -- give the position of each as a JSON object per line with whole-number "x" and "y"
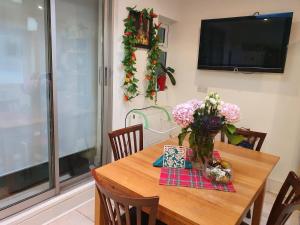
{"x": 252, "y": 43}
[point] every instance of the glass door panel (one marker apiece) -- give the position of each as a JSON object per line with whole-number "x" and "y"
{"x": 77, "y": 84}
{"x": 24, "y": 124}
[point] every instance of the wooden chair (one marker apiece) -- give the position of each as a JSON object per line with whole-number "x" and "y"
{"x": 254, "y": 138}
{"x": 286, "y": 202}
{"x": 125, "y": 142}
{"x": 254, "y": 141}
{"x": 120, "y": 209}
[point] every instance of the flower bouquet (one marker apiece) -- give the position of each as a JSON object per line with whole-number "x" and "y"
{"x": 202, "y": 120}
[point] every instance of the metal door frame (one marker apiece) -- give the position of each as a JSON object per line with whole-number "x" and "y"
{"x": 107, "y": 81}
{"x": 105, "y": 112}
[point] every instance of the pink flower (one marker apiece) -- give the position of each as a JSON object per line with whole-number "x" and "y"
{"x": 231, "y": 112}
{"x": 184, "y": 113}
{"x": 195, "y": 103}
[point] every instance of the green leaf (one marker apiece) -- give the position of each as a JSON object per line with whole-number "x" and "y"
{"x": 235, "y": 139}
{"x": 130, "y": 8}
{"x": 171, "y": 69}
{"x": 163, "y": 67}
{"x": 172, "y": 79}
{"x": 192, "y": 139}
{"x": 182, "y": 136}
{"x": 231, "y": 128}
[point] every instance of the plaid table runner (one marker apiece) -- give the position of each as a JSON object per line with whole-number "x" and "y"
{"x": 191, "y": 178}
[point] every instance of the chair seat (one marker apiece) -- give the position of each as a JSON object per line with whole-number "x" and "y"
{"x": 145, "y": 217}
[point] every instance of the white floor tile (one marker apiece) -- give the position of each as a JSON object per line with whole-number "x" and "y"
{"x": 87, "y": 209}
{"x": 72, "y": 218}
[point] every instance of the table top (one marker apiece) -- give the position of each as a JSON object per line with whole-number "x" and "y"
{"x": 183, "y": 205}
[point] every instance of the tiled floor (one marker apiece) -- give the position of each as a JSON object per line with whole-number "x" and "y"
{"x": 84, "y": 214}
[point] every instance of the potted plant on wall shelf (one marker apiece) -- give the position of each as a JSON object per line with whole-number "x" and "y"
{"x": 162, "y": 77}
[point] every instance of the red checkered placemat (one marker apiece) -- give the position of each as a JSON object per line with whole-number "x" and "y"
{"x": 191, "y": 178}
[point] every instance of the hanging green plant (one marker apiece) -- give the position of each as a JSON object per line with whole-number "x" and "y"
{"x": 130, "y": 84}
{"x": 152, "y": 64}
{"x": 130, "y": 42}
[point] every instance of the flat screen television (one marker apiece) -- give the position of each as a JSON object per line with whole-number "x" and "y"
{"x": 251, "y": 43}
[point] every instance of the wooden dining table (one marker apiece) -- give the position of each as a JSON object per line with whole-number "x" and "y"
{"x": 190, "y": 206}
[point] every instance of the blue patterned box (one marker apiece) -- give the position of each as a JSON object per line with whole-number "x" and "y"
{"x": 174, "y": 156}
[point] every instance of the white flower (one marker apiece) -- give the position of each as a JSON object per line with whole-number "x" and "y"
{"x": 213, "y": 101}
{"x": 221, "y": 173}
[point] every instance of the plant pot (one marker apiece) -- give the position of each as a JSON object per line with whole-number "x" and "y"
{"x": 161, "y": 82}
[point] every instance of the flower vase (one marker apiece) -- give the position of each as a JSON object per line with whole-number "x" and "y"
{"x": 202, "y": 120}
{"x": 202, "y": 152}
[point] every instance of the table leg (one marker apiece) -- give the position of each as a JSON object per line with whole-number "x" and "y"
{"x": 99, "y": 210}
{"x": 258, "y": 206}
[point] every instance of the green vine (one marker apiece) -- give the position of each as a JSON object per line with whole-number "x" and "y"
{"x": 152, "y": 64}
{"x": 130, "y": 84}
{"x": 129, "y": 61}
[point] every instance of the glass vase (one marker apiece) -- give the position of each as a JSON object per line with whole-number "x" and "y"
{"x": 202, "y": 151}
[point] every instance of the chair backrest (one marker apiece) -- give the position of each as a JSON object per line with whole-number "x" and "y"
{"x": 126, "y": 141}
{"x": 287, "y": 200}
{"x": 254, "y": 138}
{"x": 117, "y": 206}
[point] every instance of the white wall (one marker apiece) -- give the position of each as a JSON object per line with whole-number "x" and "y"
{"x": 269, "y": 102}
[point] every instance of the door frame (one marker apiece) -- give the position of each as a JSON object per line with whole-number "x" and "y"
{"x": 104, "y": 103}
{"x": 107, "y": 81}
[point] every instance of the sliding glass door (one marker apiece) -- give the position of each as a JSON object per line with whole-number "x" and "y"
{"x": 24, "y": 101}
{"x": 77, "y": 84}
{"x": 51, "y": 94}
